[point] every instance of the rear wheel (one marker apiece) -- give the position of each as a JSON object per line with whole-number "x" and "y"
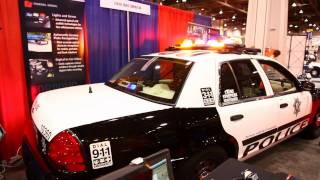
{"x": 202, "y": 163}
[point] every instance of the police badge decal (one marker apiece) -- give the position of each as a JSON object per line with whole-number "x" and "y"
{"x": 296, "y": 106}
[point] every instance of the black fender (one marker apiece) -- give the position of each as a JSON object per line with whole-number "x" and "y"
{"x": 184, "y": 131}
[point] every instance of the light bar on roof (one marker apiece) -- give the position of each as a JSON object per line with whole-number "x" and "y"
{"x": 215, "y": 44}
{"x": 187, "y": 43}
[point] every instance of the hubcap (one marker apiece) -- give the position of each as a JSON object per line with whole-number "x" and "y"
{"x": 314, "y": 72}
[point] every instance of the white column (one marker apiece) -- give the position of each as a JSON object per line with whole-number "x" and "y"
{"x": 267, "y": 23}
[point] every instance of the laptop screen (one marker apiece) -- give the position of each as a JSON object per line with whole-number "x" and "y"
{"x": 160, "y": 164}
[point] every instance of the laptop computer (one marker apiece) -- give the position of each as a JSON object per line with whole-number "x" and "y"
{"x": 157, "y": 166}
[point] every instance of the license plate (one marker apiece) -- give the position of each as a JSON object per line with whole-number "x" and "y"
{"x": 101, "y": 155}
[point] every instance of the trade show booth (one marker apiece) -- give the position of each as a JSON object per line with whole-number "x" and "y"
{"x": 142, "y": 89}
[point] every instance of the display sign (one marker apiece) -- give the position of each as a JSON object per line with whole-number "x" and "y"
{"x": 126, "y": 6}
{"x": 53, "y": 40}
{"x": 198, "y": 31}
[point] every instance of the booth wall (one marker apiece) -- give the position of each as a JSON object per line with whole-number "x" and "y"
{"x": 144, "y": 32}
{"x": 173, "y": 25}
{"x": 14, "y": 107}
{"x": 107, "y": 40}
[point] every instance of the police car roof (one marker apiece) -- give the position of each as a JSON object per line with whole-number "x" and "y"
{"x": 202, "y": 56}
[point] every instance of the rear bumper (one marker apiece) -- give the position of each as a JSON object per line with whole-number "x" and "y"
{"x": 34, "y": 169}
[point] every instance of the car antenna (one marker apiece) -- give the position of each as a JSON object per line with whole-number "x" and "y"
{"x": 90, "y": 89}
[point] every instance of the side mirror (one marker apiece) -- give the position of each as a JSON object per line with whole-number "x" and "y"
{"x": 1, "y": 132}
{"x": 307, "y": 86}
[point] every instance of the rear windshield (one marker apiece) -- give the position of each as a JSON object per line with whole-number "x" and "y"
{"x": 155, "y": 78}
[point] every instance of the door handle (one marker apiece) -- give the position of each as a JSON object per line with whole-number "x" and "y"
{"x": 283, "y": 105}
{"x": 236, "y": 117}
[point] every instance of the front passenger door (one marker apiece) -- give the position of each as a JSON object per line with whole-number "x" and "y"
{"x": 294, "y": 105}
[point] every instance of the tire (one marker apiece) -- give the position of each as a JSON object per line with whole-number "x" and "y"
{"x": 313, "y": 131}
{"x": 314, "y": 72}
{"x": 202, "y": 163}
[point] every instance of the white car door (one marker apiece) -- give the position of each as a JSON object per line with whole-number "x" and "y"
{"x": 245, "y": 109}
{"x": 294, "y": 104}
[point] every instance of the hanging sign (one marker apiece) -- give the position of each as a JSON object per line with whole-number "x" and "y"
{"x": 53, "y": 40}
{"x": 126, "y": 6}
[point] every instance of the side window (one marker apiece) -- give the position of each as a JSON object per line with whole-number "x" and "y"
{"x": 239, "y": 80}
{"x": 228, "y": 86}
{"x": 249, "y": 80}
{"x": 280, "y": 79}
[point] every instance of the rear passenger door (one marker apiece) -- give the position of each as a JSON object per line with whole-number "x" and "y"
{"x": 245, "y": 110}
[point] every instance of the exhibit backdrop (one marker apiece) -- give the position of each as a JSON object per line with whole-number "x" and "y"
{"x": 53, "y": 40}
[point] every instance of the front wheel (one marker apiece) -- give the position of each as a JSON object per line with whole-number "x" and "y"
{"x": 314, "y": 72}
{"x": 313, "y": 131}
{"x": 202, "y": 163}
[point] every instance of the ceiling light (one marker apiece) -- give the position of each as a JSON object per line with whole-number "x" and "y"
{"x": 220, "y": 12}
{"x": 213, "y": 18}
{"x": 235, "y": 28}
{"x": 244, "y": 24}
{"x": 296, "y": 26}
{"x": 225, "y": 25}
{"x": 232, "y": 20}
{"x": 199, "y": 13}
{"x": 290, "y": 25}
{"x": 301, "y": 11}
{"x": 317, "y": 28}
{"x": 310, "y": 24}
{"x": 160, "y": 3}
{"x": 184, "y": 0}
{"x": 294, "y": 4}
{"x": 177, "y": 1}
{"x": 234, "y": 17}
{"x": 243, "y": 28}
{"x": 289, "y": 32}
{"x": 306, "y": 20}
{"x": 303, "y": 31}
{"x": 314, "y": 25}
{"x": 202, "y": 9}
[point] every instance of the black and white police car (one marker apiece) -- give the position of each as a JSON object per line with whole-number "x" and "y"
{"x": 204, "y": 105}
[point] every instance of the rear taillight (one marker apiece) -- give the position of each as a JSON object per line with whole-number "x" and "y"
{"x": 65, "y": 154}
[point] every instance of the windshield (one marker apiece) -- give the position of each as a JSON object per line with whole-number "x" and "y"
{"x": 155, "y": 78}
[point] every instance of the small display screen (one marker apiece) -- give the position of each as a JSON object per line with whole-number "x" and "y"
{"x": 160, "y": 171}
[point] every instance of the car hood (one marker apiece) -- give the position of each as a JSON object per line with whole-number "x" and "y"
{"x": 61, "y": 109}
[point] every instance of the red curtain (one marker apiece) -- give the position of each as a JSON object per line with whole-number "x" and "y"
{"x": 14, "y": 108}
{"x": 173, "y": 25}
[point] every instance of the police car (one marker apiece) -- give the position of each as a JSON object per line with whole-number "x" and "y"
{"x": 203, "y": 104}
{"x": 313, "y": 68}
